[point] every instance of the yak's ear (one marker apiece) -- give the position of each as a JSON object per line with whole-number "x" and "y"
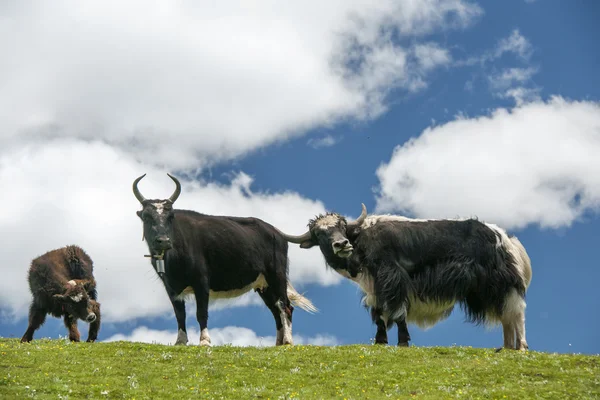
{"x": 307, "y": 244}
{"x": 352, "y": 232}
{"x": 139, "y": 213}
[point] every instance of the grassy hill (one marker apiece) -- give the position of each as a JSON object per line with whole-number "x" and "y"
{"x": 58, "y": 369}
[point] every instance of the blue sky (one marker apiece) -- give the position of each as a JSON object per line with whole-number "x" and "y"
{"x": 491, "y": 111}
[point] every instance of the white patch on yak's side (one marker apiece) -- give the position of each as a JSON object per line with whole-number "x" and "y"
{"x": 77, "y": 298}
{"x": 72, "y": 283}
{"x": 372, "y": 220}
{"x": 259, "y": 283}
{"x": 516, "y": 250}
{"x": 427, "y": 314}
{"x": 326, "y": 222}
{"x": 524, "y": 262}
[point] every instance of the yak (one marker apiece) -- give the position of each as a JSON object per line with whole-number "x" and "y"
{"x": 211, "y": 257}
{"x": 62, "y": 284}
{"x": 416, "y": 270}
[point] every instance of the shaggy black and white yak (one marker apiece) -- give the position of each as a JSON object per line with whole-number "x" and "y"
{"x": 62, "y": 284}
{"x": 215, "y": 257}
{"x": 414, "y": 270}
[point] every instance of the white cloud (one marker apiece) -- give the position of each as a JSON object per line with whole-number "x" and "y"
{"x": 522, "y": 95}
{"x": 533, "y": 164}
{"x": 511, "y": 83}
{"x": 510, "y": 76}
{"x": 325, "y": 141}
{"x": 95, "y": 94}
{"x": 183, "y": 83}
{"x": 514, "y": 44}
{"x": 236, "y": 336}
{"x": 431, "y": 55}
{"x": 64, "y": 192}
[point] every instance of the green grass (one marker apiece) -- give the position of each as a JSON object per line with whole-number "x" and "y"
{"x": 58, "y": 369}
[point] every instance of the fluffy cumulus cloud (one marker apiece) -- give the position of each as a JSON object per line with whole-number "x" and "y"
{"x": 213, "y": 80}
{"x": 65, "y": 191}
{"x": 95, "y": 94}
{"x": 534, "y": 164}
{"x": 233, "y": 335}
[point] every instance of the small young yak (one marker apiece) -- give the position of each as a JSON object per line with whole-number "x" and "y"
{"x": 62, "y": 284}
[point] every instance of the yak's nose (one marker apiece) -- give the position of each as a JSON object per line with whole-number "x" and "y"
{"x": 91, "y": 317}
{"x": 341, "y": 244}
{"x": 163, "y": 242}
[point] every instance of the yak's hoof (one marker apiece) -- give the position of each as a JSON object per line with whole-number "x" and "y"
{"x": 523, "y": 347}
{"x": 402, "y": 344}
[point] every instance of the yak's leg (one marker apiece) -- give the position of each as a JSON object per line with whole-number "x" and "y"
{"x": 508, "y": 333}
{"x": 37, "y": 317}
{"x": 513, "y": 321}
{"x": 201, "y": 292}
{"x": 71, "y": 324}
{"x": 179, "y": 308}
{"x": 377, "y": 317}
{"x": 520, "y": 331}
{"x": 277, "y": 283}
{"x": 269, "y": 298}
{"x": 94, "y": 326}
{"x": 403, "y": 335}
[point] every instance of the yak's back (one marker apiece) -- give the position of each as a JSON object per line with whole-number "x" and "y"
{"x": 51, "y": 270}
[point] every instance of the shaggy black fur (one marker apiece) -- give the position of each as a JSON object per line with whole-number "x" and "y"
{"x": 433, "y": 261}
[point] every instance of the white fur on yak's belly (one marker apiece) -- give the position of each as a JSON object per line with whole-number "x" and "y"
{"x": 259, "y": 283}
{"x": 422, "y": 314}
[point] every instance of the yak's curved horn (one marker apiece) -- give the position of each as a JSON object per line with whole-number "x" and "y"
{"x": 361, "y": 218}
{"x": 296, "y": 239}
{"x": 136, "y": 191}
{"x": 177, "y": 191}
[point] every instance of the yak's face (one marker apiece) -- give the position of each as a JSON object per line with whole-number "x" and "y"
{"x": 334, "y": 236}
{"x": 329, "y": 232}
{"x": 76, "y": 301}
{"x": 157, "y": 217}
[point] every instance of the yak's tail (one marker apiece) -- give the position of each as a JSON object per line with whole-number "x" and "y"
{"x": 300, "y": 301}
